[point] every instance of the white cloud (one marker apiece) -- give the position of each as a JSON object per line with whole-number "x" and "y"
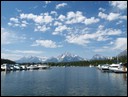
{"x": 70, "y": 15}
{"x": 28, "y": 16}
{"x": 75, "y": 39}
{"x": 10, "y": 24}
{"x": 120, "y": 44}
{"x": 15, "y": 20}
{"x": 101, "y": 9}
{"x": 77, "y": 17}
{"x": 11, "y": 56}
{"x": 61, "y": 17}
{"x": 102, "y": 15}
{"x": 119, "y": 4}
{"x": 45, "y": 43}
{"x": 54, "y": 12}
{"x": 113, "y": 31}
{"x": 100, "y": 35}
{"x": 58, "y": 6}
{"x": 47, "y": 2}
{"x": 42, "y": 28}
{"x": 57, "y": 23}
{"x": 45, "y": 18}
{"x": 48, "y": 19}
{"x": 102, "y": 38}
{"x": 39, "y": 19}
{"x": 91, "y": 20}
{"x": 8, "y": 37}
{"x": 18, "y": 10}
{"x": 111, "y": 16}
{"x": 119, "y": 22}
{"x": 73, "y": 17}
{"x": 60, "y": 28}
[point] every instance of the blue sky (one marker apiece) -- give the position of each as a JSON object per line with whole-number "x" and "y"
{"x": 50, "y": 28}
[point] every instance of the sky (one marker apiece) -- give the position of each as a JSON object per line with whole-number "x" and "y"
{"x": 50, "y": 28}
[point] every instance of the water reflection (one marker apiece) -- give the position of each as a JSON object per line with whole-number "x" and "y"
{"x": 59, "y": 81}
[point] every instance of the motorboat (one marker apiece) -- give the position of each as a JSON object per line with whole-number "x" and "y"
{"x": 118, "y": 68}
{"x": 105, "y": 67}
{"x": 43, "y": 66}
{"x": 32, "y": 67}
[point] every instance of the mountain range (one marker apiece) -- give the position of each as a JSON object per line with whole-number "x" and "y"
{"x": 65, "y": 57}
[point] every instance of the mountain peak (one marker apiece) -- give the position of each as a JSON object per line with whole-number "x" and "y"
{"x": 98, "y": 57}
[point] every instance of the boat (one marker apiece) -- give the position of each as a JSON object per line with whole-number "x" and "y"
{"x": 32, "y": 67}
{"x": 118, "y": 68}
{"x": 5, "y": 67}
{"x": 99, "y": 66}
{"x": 104, "y": 67}
{"x": 91, "y": 66}
{"x": 43, "y": 66}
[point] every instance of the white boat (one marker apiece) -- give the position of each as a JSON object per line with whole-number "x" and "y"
{"x": 91, "y": 66}
{"x": 117, "y": 68}
{"x": 43, "y": 66}
{"x": 105, "y": 67}
{"x": 99, "y": 66}
{"x": 32, "y": 67}
{"x": 5, "y": 67}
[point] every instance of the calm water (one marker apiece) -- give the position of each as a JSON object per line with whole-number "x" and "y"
{"x": 60, "y": 81}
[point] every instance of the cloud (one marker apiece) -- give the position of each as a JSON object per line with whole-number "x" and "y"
{"x": 15, "y": 20}
{"x": 75, "y": 39}
{"x": 48, "y": 19}
{"x": 111, "y": 16}
{"x": 119, "y": 4}
{"x": 44, "y": 18}
{"x": 46, "y": 43}
{"x": 120, "y": 43}
{"x": 8, "y": 37}
{"x": 91, "y": 20}
{"x": 101, "y": 34}
{"x": 57, "y": 23}
{"x": 54, "y": 12}
{"x": 47, "y": 2}
{"x": 102, "y": 9}
{"x": 28, "y": 16}
{"x": 77, "y": 17}
{"x": 11, "y": 56}
{"x": 18, "y": 10}
{"x": 58, "y": 6}
{"x": 60, "y": 28}
{"x": 42, "y": 28}
{"x": 119, "y": 22}
{"x": 61, "y": 17}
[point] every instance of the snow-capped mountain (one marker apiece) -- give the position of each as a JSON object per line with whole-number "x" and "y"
{"x": 30, "y": 59}
{"x": 123, "y": 53}
{"x": 98, "y": 57}
{"x": 68, "y": 57}
{"x": 65, "y": 57}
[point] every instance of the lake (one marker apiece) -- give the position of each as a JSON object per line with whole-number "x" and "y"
{"x": 63, "y": 81}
